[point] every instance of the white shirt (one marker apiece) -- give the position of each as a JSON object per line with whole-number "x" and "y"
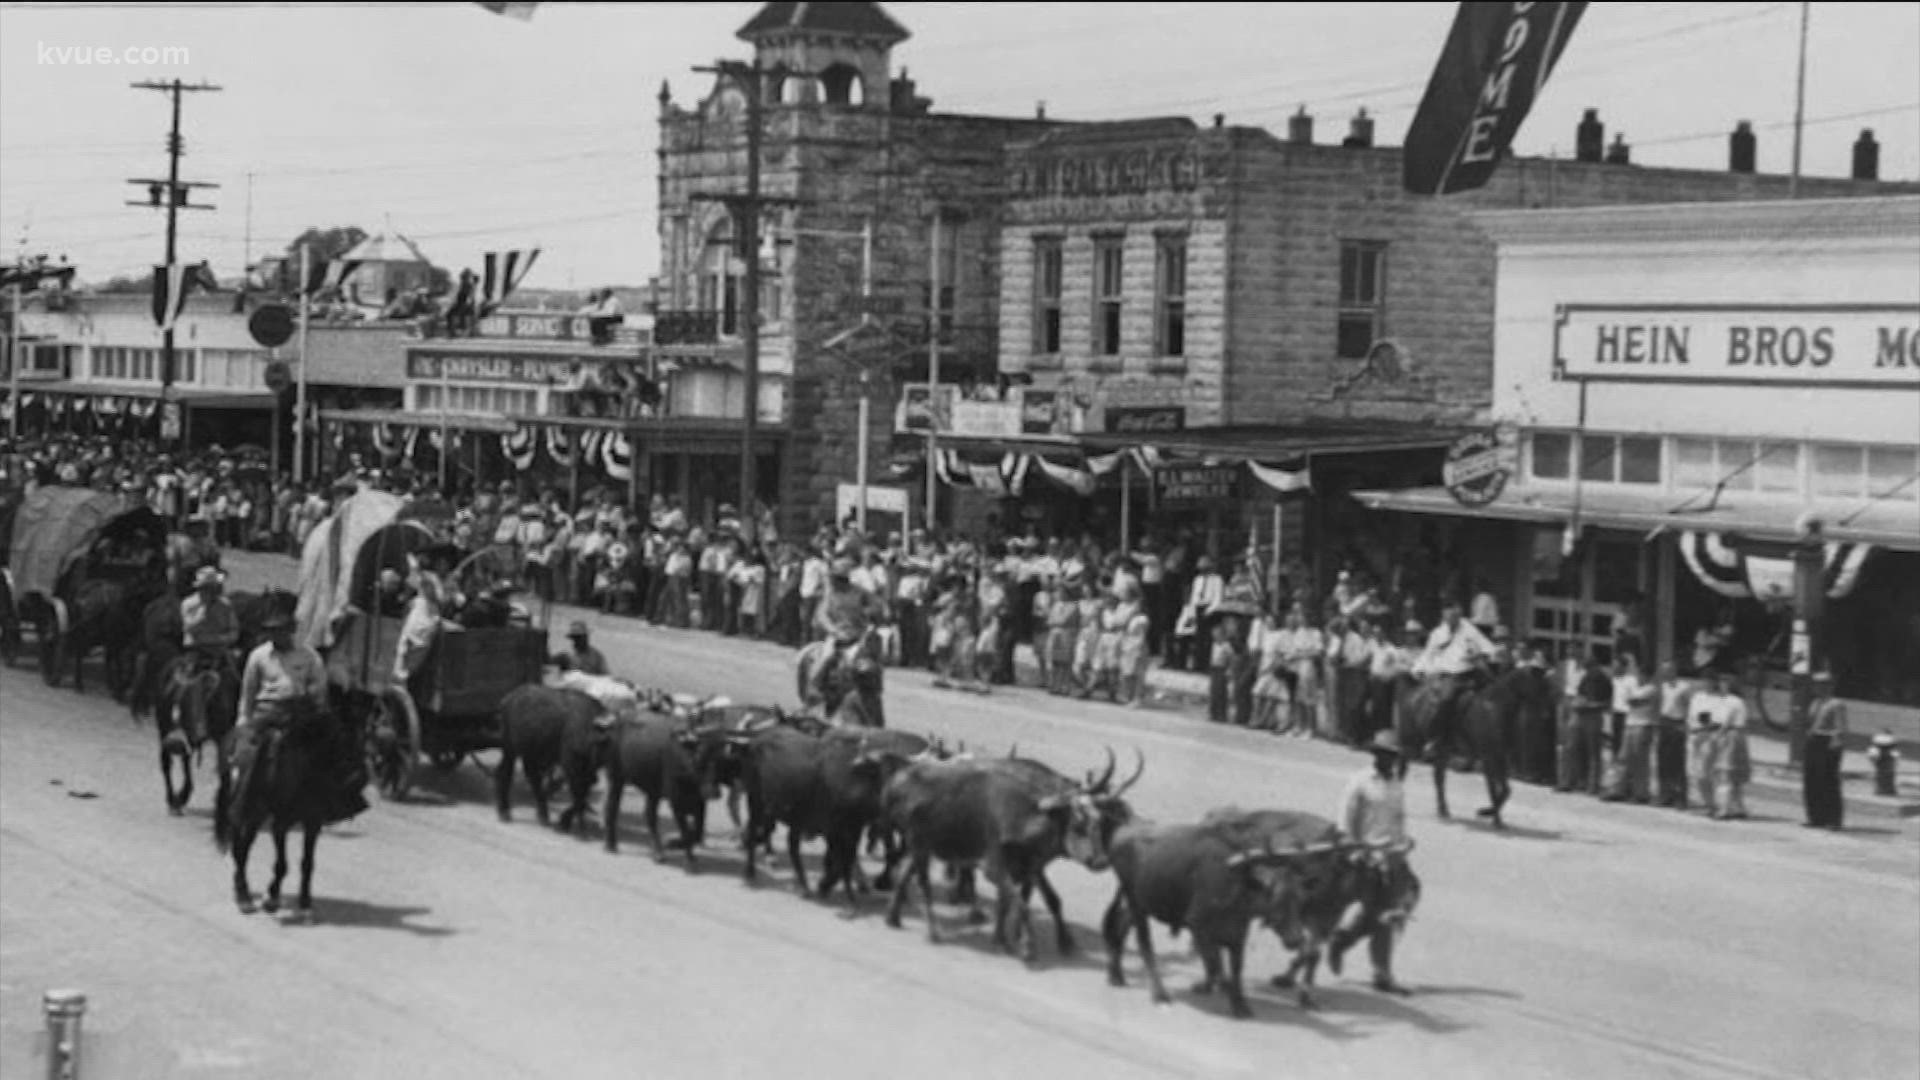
{"x": 1452, "y": 652}
{"x": 813, "y": 578}
{"x": 1207, "y": 591}
{"x": 1373, "y": 809}
{"x": 613, "y": 695}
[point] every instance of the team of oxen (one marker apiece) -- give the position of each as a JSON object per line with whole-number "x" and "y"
{"x": 914, "y": 801}
{"x": 908, "y": 799}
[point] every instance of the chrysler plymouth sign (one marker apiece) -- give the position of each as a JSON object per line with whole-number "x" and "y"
{"x": 1873, "y": 346}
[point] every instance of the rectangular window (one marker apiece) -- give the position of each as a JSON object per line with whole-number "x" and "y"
{"x": 730, "y": 305}
{"x": 1599, "y": 458}
{"x": 186, "y": 366}
{"x": 1109, "y": 268}
{"x": 1170, "y": 297}
{"x": 1640, "y": 460}
{"x": 1552, "y": 455}
{"x": 1693, "y": 463}
{"x": 1363, "y": 293}
{"x": 1839, "y": 472}
{"x": 1048, "y": 278}
{"x": 1888, "y": 468}
{"x": 1778, "y": 472}
{"x": 949, "y": 281}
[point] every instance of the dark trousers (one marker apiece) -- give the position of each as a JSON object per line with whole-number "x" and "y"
{"x": 913, "y": 634}
{"x": 1583, "y": 751}
{"x": 1670, "y": 763}
{"x": 1821, "y": 782}
{"x": 1354, "y": 684}
{"x": 1203, "y": 643}
{"x": 1379, "y": 710}
{"x": 1245, "y": 673}
{"x": 1219, "y": 695}
{"x": 1154, "y": 599}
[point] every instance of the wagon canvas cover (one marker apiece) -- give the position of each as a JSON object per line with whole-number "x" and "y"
{"x": 327, "y": 560}
{"x": 54, "y": 527}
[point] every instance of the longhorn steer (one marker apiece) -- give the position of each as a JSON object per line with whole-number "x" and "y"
{"x": 541, "y": 728}
{"x": 1325, "y": 906}
{"x": 667, "y": 759}
{"x": 1010, "y": 818}
{"x": 1203, "y": 880}
{"x": 826, "y": 785}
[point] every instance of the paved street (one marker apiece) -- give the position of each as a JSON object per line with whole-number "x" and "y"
{"x": 1592, "y": 941}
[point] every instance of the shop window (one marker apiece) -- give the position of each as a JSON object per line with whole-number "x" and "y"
{"x": 1170, "y": 296}
{"x": 1599, "y": 458}
{"x": 1839, "y": 472}
{"x": 730, "y": 305}
{"x": 1363, "y": 290}
{"x": 1777, "y": 470}
{"x": 1693, "y": 465}
{"x": 1552, "y": 455}
{"x": 1640, "y": 460}
{"x": 1048, "y": 278}
{"x": 186, "y": 366}
{"x": 1893, "y": 472}
{"x": 1109, "y": 268}
{"x": 949, "y": 278}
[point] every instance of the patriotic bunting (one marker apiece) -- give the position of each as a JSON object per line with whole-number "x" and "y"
{"x": 504, "y": 272}
{"x": 1282, "y": 480}
{"x": 512, "y": 9}
{"x": 1079, "y": 481}
{"x": 519, "y": 448}
{"x": 1722, "y": 566}
{"x": 560, "y": 447}
{"x": 618, "y": 451}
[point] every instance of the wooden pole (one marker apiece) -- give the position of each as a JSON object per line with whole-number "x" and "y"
{"x": 1126, "y": 503}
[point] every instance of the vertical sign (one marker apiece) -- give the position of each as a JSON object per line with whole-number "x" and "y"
{"x": 1496, "y": 60}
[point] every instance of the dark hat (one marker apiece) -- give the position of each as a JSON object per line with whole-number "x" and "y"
{"x": 277, "y": 620}
{"x": 577, "y": 630}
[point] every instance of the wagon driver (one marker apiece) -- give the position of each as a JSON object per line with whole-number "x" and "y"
{"x": 286, "y": 682}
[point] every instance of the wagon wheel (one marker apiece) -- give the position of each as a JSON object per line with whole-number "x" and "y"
{"x": 393, "y": 743}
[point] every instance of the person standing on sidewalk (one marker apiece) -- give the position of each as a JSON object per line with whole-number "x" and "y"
{"x": 1826, "y": 732}
{"x": 1583, "y": 757}
{"x": 1670, "y": 743}
{"x": 1732, "y": 762}
{"x": 1635, "y": 761}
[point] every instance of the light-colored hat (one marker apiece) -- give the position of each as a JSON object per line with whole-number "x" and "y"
{"x": 1385, "y": 741}
{"x": 1823, "y": 675}
{"x": 207, "y": 576}
{"x": 578, "y": 629}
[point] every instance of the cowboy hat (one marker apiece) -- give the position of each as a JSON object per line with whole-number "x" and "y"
{"x": 577, "y": 630}
{"x": 208, "y": 576}
{"x": 1385, "y": 742}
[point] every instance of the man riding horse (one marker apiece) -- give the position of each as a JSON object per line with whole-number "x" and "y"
{"x": 1454, "y": 664}
{"x": 284, "y": 690}
{"x": 846, "y": 614}
{"x": 210, "y": 628}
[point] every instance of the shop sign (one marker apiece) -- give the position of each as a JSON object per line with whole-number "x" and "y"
{"x": 1824, "y": 345}
{"x": 170, "y": 420}
{"x": 1477, "y": 468}
{"x": 917, "y": 405}
{"x": 1045, "y": 412}
{"x": 1137, "y": 420}
{"x": 1195, "y": 485}
{"x": 1127, "y": 172}
{"x": 986, "y": 419}
{"x": 468, "y": 367}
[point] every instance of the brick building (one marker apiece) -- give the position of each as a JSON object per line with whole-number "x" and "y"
{"x": 849, "y": 146}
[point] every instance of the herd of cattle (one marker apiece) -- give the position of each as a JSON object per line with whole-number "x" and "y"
{"x": 912, "y": 801}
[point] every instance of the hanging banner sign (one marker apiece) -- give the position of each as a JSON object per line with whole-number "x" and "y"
{"x": 468, "y": 367}
{"x": 1195, "y": 485}
{"x": 1142, "y": 420}
{"x": 1865, "y": 346}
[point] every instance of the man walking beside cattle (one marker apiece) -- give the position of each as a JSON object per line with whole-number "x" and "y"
{"x": 1373, "y": 813}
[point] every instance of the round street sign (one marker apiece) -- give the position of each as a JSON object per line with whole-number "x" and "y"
{"x": 271, "y": 325}
{"x": 1477, "y": 468}
{"x": 278, "y": 376}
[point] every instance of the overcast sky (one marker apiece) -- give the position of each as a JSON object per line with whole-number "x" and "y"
{"x": 472, "y": 132}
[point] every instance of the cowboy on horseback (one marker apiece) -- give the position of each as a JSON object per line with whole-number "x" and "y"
{"x": 209, "y": 626}
{"x": 845, "y": 615}
{"x": 286, "y": 684}
{"x": 1455, "y": 659}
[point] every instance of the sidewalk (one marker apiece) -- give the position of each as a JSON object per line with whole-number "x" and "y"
{"x": 1774, "y": 780}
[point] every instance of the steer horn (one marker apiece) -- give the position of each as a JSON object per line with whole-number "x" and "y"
{"x": 1140, "y": 766}
{"x": 1106, "y": 777}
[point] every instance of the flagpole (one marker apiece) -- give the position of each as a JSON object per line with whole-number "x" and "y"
{"x": 300, "y": 392}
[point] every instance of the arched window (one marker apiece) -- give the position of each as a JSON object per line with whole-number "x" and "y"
{"x": 797, "y": 88}
{"x": 719, "y": 277}
{"x": 843, "y": 85}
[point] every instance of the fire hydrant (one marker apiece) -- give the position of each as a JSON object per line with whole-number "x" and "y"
{"x": 1885, "y": 755}
{"x": 64, "y": 1009}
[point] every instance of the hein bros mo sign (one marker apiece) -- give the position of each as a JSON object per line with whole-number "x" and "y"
{"x": 1826, "y": 345}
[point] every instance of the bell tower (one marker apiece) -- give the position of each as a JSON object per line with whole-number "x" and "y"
{"x": 834, "y": 54}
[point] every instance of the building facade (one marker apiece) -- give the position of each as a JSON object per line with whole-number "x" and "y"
{"x": 1681, "y": 391}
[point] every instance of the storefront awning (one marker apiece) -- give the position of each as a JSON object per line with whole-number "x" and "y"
{"x": 1889, "y": 523}
{"x": 198, "y": 397}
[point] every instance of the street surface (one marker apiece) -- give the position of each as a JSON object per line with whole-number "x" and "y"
{"x": 1592, "y": 940}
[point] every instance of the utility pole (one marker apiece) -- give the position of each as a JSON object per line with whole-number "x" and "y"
{"x": 1799, "y": 104}
{"x": 745, "y": 210}
{"x": 933, "y": 372}
{"x": 175, "y": 194}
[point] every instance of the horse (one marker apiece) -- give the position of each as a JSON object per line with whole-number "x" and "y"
{"x": 159, "y": 646}
{"x": 289, "y": 786}
{"x": 853, "y": 691}
{"x": 104, "y": 615}
{"x": 1485, "y": 727}
{"x": 194, "y": 708}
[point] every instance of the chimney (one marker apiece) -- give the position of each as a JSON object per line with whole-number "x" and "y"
{"x": 1866, "y": 156}
{"x": 1617, "y": 153}
{"x": 1040, "y": 111}
{"x": 1740, "y": 148}
{"x": 1300, "y": 128}
{"x": 1589, "y": 137}
{"x": 1360, "y": 131}
{"x": 1219, "y": 120}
